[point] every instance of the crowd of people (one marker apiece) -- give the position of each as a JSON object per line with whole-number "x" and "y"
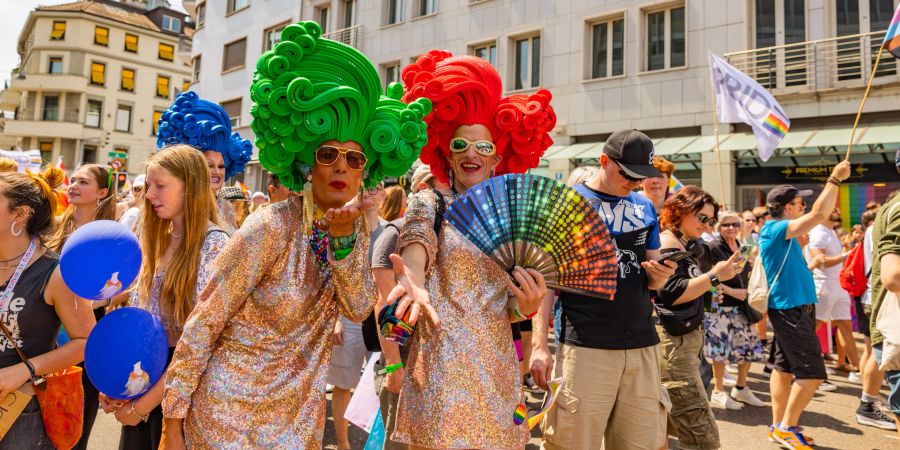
{"x": 270, "y": 300}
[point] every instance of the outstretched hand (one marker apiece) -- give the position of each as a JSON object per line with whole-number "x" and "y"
{"x": 340, "y": 220}
{"x": 415, "y": 298}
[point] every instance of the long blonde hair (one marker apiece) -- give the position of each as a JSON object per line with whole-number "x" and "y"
{"x": 179, "y": 283}
{"x": 392, "y": 208}
{"x": 105, "y": 210}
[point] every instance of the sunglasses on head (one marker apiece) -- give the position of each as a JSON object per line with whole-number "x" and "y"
{"x": 624, "y": 175}
{"x": 327, "y": 155}
{"x": 704, "y": 219}
{"x": 483, "y": 147}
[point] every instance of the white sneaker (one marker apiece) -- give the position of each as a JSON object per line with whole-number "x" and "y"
{"x": 826, "y": 387}
{"x": 745, "y": 395}
{"x": 731, "y": 368}
{"x": 729, "y": 380}
{"x": 853, "y": 377}
{"x": 830, "y": 371}
{"x": 722, "y": 400}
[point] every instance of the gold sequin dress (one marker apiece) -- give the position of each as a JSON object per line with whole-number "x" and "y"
{"x": 462, "y": 385}
{"x": 249, "y": 370}
{"x": 227, "y": 220}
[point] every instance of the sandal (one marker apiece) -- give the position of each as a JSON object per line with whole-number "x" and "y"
{"x": 844, "y": 367}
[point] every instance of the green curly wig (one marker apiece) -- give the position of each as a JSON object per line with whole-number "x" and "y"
{"x": 308, "y": 90}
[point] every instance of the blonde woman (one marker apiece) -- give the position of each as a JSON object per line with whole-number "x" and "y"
{"x": 394, "y": 205}
{"x": 179, "y": 239}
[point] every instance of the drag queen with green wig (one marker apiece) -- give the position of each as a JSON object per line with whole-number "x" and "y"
{"x": 249, "y": 370}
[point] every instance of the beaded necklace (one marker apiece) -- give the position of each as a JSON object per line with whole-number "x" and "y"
{"x": 318, "y": 240}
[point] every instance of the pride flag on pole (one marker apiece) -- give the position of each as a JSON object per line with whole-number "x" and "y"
{"x": 892, "y": 37}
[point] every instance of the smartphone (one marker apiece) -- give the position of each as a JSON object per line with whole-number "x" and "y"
{"x": 674, "y": 256}
{"x": 745, "y": 251}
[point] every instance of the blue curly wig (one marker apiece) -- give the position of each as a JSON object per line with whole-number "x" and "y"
{"x": 204, "y": 126}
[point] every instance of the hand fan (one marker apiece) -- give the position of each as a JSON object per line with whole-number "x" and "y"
{"x": 534, "y": 222}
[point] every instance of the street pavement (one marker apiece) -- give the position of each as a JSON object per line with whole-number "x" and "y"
{"x": 830, "y": 419}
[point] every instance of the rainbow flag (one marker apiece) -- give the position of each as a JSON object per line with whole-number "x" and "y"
{"x": 674, "y": 184}
{"x": 776, "y": 126}
{"x": 892, "y": 37}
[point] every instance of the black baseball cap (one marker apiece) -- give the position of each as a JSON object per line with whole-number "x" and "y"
{"x": 633, "y": 151}
{"x": 784, "y": 194}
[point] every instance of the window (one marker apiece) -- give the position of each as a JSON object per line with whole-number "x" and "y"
{"x": 58, "y": 33}
{"x": 608, "y": 48}
{"x": 98, "y": 73}
{"x": 781, "y": 22}
{"x": 162, "y": 86}
{"x": 156, "y": 116}
{"x": 527, "y": 63}
{"x": 391, "y": 74}
{"x": 201, "y": 14}
{"x": 131, "y": 43}
{"x": 233, "y": 109}
{"x": 170, "y": 23}
{"x": 395, "y": 11}
{"x": 349, "y": 12}
{"x": 166, "y": 52}
{"x": 123, "y": 118}
{"x": 196, "y": 67}
{"x": 127, "y": 80}
{"x": 54, "y": 66}
{"x": 487, "y": 52}
{"x": 89, "y": 156}
{"x": 271, "y": 37}
{"x": 322, "y": 18}
{"x": 185, "y": 85}
{"x": 234, "y": 55}
{"x": 235, "y": 5}
{"x": 51, "y": 108}
{"x": 665, "y": 41}
{"x": 101, "y": 36}
{"x": 46, "y": 151}
{"x": 426, "y": 7}
{"x": 94, "y": 113}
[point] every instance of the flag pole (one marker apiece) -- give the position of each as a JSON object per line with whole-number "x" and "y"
{"x": 863, "y": 102}
{"x": 715, "y": 111}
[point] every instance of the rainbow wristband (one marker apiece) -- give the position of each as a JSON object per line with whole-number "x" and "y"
{"x": 392, "y": 368}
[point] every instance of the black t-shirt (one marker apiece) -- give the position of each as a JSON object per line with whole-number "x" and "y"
{"x": 720, "y": 251}
{"x": 691, "y": 312}
{"x": 626, "y": 322}
{"x": 33, "y": 323}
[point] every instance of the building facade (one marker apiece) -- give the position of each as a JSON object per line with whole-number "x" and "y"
{"x": 94, "y": 77}
{"x": 230, "y": 36}
{"x": 644, "y": 64}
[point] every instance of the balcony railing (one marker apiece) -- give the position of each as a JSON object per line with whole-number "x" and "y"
{"x": 350, "y": 36}
{"x": 816, "y": 66}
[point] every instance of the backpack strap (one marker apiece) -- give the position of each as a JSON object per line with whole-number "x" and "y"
{"x": 441, "y": 210}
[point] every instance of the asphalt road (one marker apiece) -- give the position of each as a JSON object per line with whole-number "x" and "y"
{"x": 830, "y": 419}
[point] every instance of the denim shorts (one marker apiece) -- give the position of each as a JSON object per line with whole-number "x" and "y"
{"x": 27, "y": 431}
{"x": 893, "y": 379}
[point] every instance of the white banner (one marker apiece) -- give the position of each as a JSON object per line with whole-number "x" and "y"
{"x": 741, "y": 99}
{"x": 27, "y": 159}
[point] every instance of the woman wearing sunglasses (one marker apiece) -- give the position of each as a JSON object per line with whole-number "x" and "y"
{"x": 206, "y": 126}
{"x": 249, "y": 370}
{"x": 680, "y": 305}
{"x": 462, "y": 366}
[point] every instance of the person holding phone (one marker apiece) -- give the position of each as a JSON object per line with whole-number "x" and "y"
{"x": 730, "y": 337}
{"x": 679, "y": 307}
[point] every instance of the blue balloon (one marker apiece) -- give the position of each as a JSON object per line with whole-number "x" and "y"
{"x": 126, "y": 353}
{"x": 100, "y": 259}
{"x": 63, "y": 337}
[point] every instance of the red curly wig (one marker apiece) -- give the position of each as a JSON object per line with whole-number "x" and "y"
{"x": 466, "y": 90}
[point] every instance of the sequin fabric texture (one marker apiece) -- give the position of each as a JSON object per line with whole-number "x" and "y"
{"x": 226, "y": 216}
{"x": 462, "y": 385}
{"x": 212, "y": 245}
{"x": 249, "y": 370}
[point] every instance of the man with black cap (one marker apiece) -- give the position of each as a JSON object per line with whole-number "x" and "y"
{"x": 799, "y": 368}
{"x": 608, "y": 357}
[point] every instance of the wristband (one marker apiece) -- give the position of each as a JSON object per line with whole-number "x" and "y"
{"x": 522, "y": 316}
{"x": 35, "y": 379}
{"x": 833, "y": 181}
{"x": 133, "y": 411}
{"x": 392, "y": 368}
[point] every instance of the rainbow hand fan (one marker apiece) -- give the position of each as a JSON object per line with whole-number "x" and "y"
{"x": 534, "y": 222}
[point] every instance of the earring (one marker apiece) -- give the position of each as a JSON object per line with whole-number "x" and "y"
{"x": 12, "y": 229}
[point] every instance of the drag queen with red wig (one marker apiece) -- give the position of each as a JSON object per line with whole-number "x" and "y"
{"x": 462, "y": 388}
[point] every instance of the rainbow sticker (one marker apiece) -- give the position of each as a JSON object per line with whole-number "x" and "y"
{"x": 776, "y": 126}
{"x": 519, "y": 414}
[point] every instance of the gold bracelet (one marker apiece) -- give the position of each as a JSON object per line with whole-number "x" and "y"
{"x": 133, "y": 411}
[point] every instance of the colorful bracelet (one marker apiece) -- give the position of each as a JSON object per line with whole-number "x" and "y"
{"x": 392, "y": 368}
{"x": 522, "y": 316}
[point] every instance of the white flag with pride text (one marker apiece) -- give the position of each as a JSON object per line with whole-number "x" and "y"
{"x": 741, "y": 99}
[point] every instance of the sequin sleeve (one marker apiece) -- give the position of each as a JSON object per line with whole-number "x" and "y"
{"x": 353, "y": 282}
{"x": 212, "y": 246}
{"x": 244, "y": 261}
{"x": 419, "y": 226}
